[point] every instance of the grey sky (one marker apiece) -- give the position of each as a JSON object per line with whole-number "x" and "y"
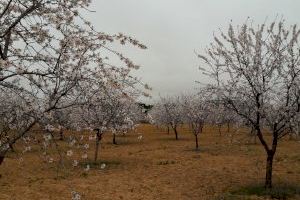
{"x": 173, "y": 29}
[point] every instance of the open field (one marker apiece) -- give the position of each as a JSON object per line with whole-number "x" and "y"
{"x": 157, "y": 167}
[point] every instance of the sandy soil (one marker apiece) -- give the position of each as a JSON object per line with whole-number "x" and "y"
{"x": 156, "y": 167}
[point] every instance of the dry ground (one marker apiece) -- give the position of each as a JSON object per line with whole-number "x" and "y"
{"x": 157, "y": 167}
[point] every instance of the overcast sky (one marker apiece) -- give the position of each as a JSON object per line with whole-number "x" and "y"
{"x": 174, "y": 29}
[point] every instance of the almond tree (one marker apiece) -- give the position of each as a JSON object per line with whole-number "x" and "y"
{"x": 196, "y": 110}
{"x": 108, "y": 109}
{"x": 126, "y": 115}
{"x": 224, "y": 117}
{"x": 168, "y": 111}
{"x": 95, "y": 116}
{"x": 47, "y": 53}
{"x": 157, "y": 117}
{"x": 257, "y": 75}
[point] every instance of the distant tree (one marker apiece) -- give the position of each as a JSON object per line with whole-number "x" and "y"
{"x": 257, "y": 75}
{"x": 172, "y": 113}
{"x": 157, "y": 117}
{"x": 168, "y": 112}
{"x": 196, "y": 110}
{"x": 107, "y": 110}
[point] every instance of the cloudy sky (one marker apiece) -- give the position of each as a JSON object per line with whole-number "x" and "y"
{"x": 174, "y": 29}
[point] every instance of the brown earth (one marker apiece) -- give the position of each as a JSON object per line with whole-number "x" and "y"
{"x": 156, "y": 167}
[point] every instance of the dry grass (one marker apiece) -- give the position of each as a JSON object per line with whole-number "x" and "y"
{"x": 157, "y": 167}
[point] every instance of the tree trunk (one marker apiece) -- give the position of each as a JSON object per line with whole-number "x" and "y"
{"x": 97, "y": 148}
{"x": 114, "y": 139}
{"x": 168, "y": 130}
{"x": 220, "y": 132}
{"x": 98, "y": 140}
{"x": 196, "y": 139}
{"x": 3, "y": 155}
{"x": 1, "y": 159}
{"x": 176, "y": 133}
{"x": 228, "y": 127}
{"x": 61, "y": 135}
{"x": 269, "y": 170}
{"x": 12, "y": 148}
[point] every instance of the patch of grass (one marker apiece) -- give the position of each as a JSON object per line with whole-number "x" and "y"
{"x": 278, "y": 192}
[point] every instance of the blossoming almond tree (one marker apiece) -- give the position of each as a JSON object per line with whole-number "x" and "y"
{"x": 168, "y": 111}
{"x": 257, "y": 75}
{"x": 107, "y": 109}
{"x": 157, "y": 117}
{"x": 196, "y": 110}
{"x": 47, "y": 52}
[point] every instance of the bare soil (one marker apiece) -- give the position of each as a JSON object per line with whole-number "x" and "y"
{"x": 155, "y": 167}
